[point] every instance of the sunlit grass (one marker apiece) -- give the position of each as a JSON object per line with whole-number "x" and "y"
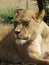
{"x": 7, "y": 15}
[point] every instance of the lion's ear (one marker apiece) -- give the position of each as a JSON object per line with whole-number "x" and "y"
{"x": 15, "y": 13}
{"x": 19, "y": 12}
{"x": 41, "y": 15}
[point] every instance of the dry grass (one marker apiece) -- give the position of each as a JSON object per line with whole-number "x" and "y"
{"x": 4, "y": 30}
{"x": 32, "y": 4}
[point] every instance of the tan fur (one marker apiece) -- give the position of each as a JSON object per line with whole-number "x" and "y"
{"x": 8, "y": 51}
{"x": 32, "y": 41}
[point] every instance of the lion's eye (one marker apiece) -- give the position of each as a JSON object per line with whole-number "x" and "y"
{"x": 25, "y": 23}
{"x": 15, "y": 24}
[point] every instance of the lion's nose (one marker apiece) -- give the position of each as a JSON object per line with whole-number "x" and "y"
{"x": 17, "y": 32}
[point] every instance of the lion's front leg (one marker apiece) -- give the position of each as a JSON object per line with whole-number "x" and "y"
{"x": 38, "y": 60}
{"x": 34, "y": 53}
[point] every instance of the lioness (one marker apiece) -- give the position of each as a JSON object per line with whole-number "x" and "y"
{"x": 32, "y": 36}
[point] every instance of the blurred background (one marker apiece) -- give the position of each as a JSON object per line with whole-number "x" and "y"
{"x": 7, "y": 8}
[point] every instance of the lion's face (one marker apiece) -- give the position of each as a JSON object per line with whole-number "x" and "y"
{"x": 26, "y": 25}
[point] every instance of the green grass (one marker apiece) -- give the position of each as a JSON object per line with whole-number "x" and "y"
{"x": 46, "y": 7}
{"x": 7, "y": 15}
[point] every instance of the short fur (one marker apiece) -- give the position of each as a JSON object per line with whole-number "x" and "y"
{"x": 32, "y": 36}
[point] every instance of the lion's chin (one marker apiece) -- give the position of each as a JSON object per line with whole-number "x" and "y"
{"x": 21, "y": 41}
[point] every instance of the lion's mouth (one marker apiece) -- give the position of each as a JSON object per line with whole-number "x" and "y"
{"x": 22, "y": 38}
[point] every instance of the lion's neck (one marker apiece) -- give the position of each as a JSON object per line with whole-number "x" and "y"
{"x": 41, "y": 28}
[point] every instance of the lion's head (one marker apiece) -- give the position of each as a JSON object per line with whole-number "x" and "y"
{"x": 26, "y": 24}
